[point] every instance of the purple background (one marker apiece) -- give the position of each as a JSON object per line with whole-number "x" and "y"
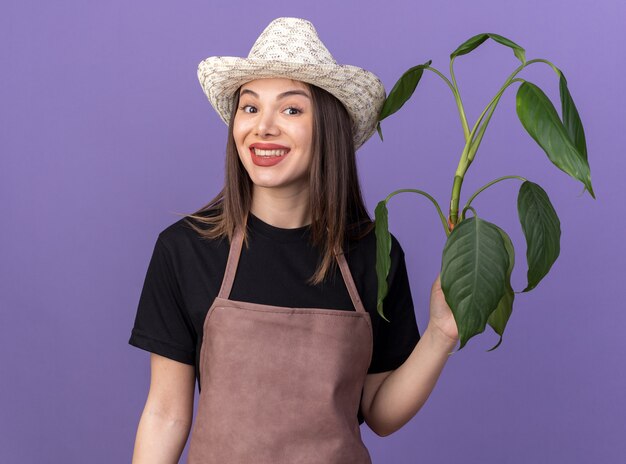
{"x": 105, "y": 133}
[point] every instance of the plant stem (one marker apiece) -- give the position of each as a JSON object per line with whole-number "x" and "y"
{"x": 421, "y": 192}
{"x": 467, "y": 205}
{"x": 471, "y": 145}
{"x": 469, "y": 151}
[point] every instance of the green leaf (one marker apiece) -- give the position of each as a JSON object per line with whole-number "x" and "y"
{"x": 402, "y": 90}
{"x": 541, "y": 121}
{"x": 383, "y": 253}
{"x": 499, "y": 318}
{"x": 380, "y": 131}
{"x": 571, "y": 119}
{"x": 473, "y": 274}
{"x": 475, "y": 41}
{"x": 542, "y": 230}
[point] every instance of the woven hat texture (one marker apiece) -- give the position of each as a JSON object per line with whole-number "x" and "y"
{"x": 291, "y": 48}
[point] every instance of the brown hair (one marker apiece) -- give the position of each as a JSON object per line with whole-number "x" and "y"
{"x": 337, "y": 209}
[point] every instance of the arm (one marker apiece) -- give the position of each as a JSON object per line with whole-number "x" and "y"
{"x": 392, "y": 398}
{"x": 166, "y": 419}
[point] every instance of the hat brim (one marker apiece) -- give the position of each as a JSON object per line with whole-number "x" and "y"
{"x": 360, "y": 91}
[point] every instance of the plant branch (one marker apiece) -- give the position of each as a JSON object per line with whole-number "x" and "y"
{"x": 508, "y": 82}
{"x": 441, "y": 216}
{"x": 472, "y": 151}
{"x": 457, "y": 98}
{"x": 481, "y": 131}
{"x": 459, "y": 104}
{"x": 476, "y": 138}
{"x": 430, "y": 68}
{"x": 540, "y": 60}
{"x": 466, "y": 208}
{"x": 467, "y": 205}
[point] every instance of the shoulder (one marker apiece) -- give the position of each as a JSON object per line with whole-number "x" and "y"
{"x": 367, "y": 242}
{"x": 185, "y": 232}
{"x": 362, "y": 252}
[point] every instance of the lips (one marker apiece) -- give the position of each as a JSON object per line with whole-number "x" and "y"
{"x": 268, "y": 154}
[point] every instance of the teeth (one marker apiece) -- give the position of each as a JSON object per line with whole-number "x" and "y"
{"x": 260, "y": 152}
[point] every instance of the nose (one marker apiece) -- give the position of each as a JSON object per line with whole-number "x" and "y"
{"x": 266, "y": 124}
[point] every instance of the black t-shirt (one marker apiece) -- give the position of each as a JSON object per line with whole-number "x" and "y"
{"x": 185, "y": 274}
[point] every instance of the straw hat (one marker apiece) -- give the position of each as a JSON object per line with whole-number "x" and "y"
{"x": 291, "y": 48}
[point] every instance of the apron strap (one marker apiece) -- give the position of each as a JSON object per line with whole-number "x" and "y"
{"x": 231, "y": 264}
{"x": 347, "y": 278}
{"x": 233, "y": 261}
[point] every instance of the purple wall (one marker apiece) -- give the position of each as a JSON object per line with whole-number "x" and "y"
{"x": 105, "y": 133}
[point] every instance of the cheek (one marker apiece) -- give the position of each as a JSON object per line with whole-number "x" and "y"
{"x": 241, "y": 128}
{"x": 239, "y": 138}
{"x": 304, "y": 134}
{"x": 237, "y": 134}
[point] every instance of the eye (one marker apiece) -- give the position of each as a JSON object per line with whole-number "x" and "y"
{"x": 248, "y": 109}
{"x": 292, "y": 110}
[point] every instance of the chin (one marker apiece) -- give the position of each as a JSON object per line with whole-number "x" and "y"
{"x": 279, "y": 184}
{"x": 270, "y": 185}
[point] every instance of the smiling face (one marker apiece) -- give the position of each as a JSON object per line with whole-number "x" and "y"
{"x": 273, "y": 132}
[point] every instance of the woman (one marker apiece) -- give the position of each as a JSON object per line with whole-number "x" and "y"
{"x": 278, "y": 323}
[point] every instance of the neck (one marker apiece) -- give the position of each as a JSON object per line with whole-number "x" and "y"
{"x": 279, "y": 209}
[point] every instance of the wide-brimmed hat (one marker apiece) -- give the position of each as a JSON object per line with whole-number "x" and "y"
{"x": 291, "y": 48}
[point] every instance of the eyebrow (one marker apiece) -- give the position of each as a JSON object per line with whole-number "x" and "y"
{"x": 282, "y": 95}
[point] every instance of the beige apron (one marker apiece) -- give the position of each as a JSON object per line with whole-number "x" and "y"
{"x": 279, "y": 384}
